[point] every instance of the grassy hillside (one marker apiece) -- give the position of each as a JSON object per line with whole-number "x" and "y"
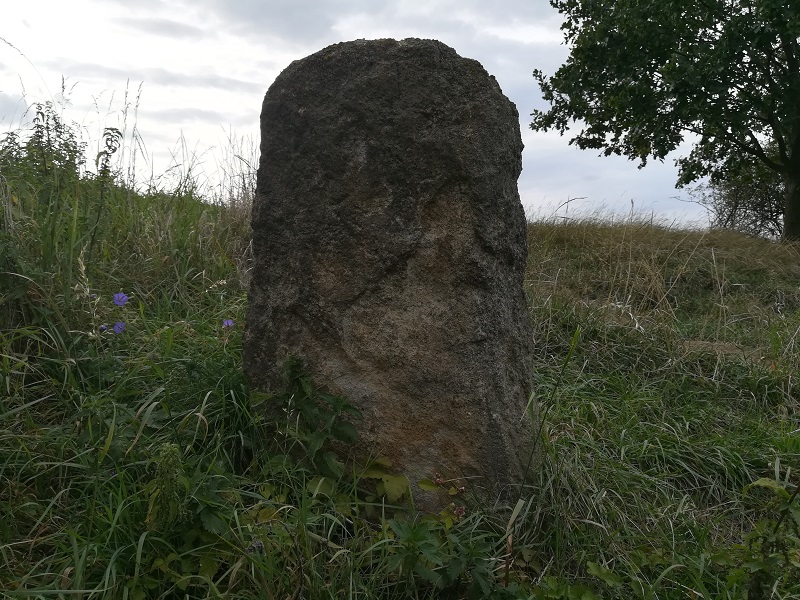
{"x": 134, "y": 463}
{"x": 679, "y": 393}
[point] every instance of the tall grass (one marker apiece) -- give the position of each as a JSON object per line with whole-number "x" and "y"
{"x": 135, "y": 463}
{"x": 679, "y": 394}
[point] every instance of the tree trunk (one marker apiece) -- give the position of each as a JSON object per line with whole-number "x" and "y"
{"x": 791, "y": 208}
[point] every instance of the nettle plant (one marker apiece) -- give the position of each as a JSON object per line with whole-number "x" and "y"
{"x": 769, "y": 558}
{"x": 315, "y": 427}
{"x": 310, "y": 421}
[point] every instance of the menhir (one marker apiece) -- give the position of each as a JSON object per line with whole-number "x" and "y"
{"x": 390, "y": 245}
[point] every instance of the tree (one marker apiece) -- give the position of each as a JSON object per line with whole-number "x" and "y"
{"x": 642, "y": 74}
{"x": 749, "y": 200}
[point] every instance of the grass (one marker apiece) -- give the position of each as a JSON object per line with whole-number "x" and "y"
{"x": 139, "y": 465}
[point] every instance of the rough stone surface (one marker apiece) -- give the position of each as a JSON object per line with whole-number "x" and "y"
{"x": 390, "y": 245}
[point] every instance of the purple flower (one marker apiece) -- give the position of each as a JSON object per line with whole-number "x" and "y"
{"x": 227, "y": 323}
{"x": 119, "y": 327}
{"x": 120, "y": 299}
{"x": 103, "y": 328}
{"x": 92, "y": 296}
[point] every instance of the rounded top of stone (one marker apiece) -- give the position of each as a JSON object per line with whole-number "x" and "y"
{"x": 411, "y": 41}
{"x": 416, "y": 100}
{"x": 420, "y": 54}
{"x": 391, "y": 41}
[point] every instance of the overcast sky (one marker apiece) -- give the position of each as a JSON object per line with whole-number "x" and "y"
{"x": 203, "y": 68}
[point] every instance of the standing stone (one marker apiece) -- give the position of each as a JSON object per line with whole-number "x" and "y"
{"x": 390, "y": 245}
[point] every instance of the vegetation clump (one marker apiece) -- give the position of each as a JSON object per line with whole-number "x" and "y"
{"x": 135, "y": 463}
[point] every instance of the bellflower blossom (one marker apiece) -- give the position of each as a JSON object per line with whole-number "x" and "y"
{"x": 120, "y": 299}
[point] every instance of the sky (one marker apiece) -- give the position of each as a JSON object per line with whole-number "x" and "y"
{"x": 189, "y": 79}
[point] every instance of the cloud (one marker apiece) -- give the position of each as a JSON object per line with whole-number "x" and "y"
{"x": 301, "y": 21}
{"x": 174, "y": 116}
{"x": 12, "y": 107}
{"x": 321, "y": 22}
{"x": 207, "y": 63}
{"x": 143, "y": 5}
{"x": 524, "y": 33}
{"x": 156, "y": 75}
{"x": 164, "y": 27}
{"x": 510, "y": 39}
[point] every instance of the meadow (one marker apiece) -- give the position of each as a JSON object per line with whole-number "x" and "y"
{"x": 135, "y": 463}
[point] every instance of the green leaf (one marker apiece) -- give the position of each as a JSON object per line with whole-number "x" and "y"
{"x": 581, "y": 592}
{"x": 266, "y": 490}
{"x": 515, "y": 513}
{"x": 208, "y": 565}
{"x": 394, "y": 486}
{"x": 212, "y": 523}
{"x": 376, "y": 469}
{"x": 321, "y": 486}
{"x": 259, "y": 398}
{"x": 109, "y": 438}
{"x": 373, "y": 473}
{"x": 316, "y": 441}
{"x": 480, "y": 584}
{"x": 427, "y": 485}
{"x": 266, "y": 514}
{"x": 429, "y": 574}
{"x": 138, "y": 593}
{"x": 331, "y": 465}
{"x": 604, "y": 574}
{"x": 344, "y": 432}
{"x": 305, "y": 385}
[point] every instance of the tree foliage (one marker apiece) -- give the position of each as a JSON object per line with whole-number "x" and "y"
{"x": 642, "y": 74}
{"x": 749, "y": 200}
